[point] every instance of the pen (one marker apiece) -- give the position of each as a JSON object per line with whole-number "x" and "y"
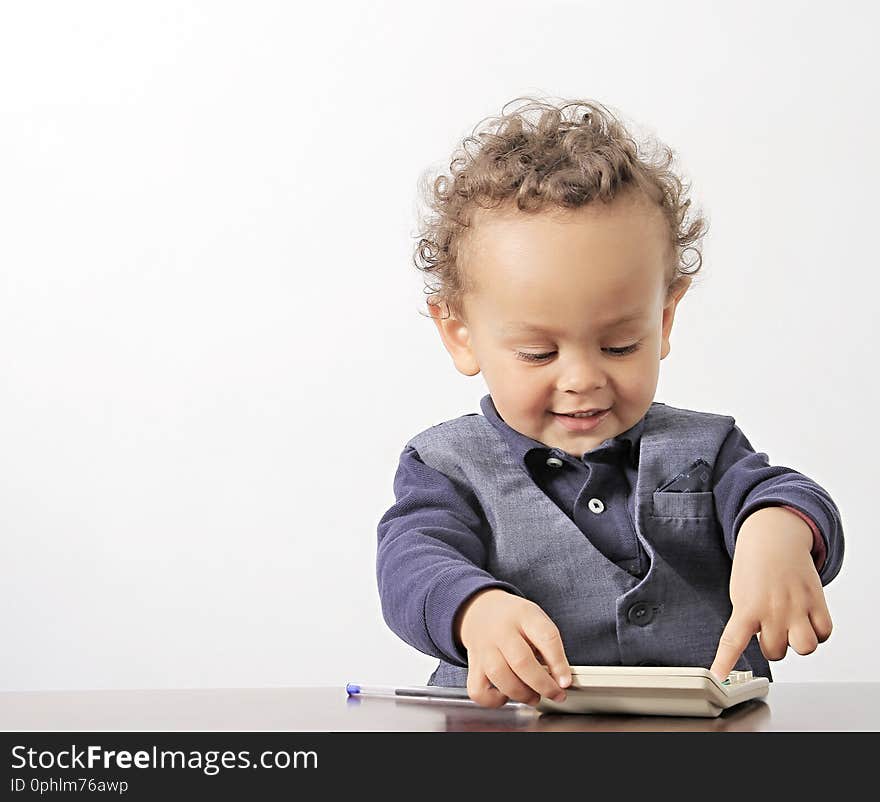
{"x": 414, "y": 691}
{"x": 354, "y": 688}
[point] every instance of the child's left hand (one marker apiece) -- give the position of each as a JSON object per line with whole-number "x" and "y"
{"x": 775, "y": 591}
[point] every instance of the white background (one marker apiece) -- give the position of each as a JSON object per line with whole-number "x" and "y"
{"x": 210, "y": 348}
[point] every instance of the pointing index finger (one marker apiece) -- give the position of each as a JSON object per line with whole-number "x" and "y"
{"x": 734, "y": 639}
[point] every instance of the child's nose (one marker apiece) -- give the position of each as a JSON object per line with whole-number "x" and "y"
{"x": 581, "y": 376}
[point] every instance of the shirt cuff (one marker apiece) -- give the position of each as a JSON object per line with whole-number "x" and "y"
{"x": 818, "y": 552}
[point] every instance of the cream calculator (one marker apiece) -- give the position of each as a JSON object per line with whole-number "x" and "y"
{"x": 655, "y": 691}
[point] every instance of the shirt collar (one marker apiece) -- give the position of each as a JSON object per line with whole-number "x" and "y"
{"x": 520, "y": 445}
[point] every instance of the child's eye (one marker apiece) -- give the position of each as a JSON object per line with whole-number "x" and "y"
{"x": 624, "y": 351}
{"x": 534, "y": 357}
{"x": 629, "y": 349}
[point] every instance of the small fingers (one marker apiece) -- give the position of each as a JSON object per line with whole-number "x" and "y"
{"x": 524, "y": 663}
{"x": 508, "y": 683}
{"x": 802, "y": 637}
{"x": 736, "y": 636}
{"x": 734, "y": 639}
{"x": 821, "y": 622}
{"x": 773, "y": 639}
{"x": 481, "y": 690}
{"x": 491, "y": 682}
{"x": 540, "y": 631}
{"x": 809, "y": 631}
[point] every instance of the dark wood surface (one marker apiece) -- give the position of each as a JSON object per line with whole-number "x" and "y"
{"x": 814, "y": 707}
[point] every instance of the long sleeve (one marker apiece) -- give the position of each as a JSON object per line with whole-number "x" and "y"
{"x": 744, "y": 481}
{"x": 430, "y": 557}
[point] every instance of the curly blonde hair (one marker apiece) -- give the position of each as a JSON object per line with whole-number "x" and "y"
{"x": 574, "y": 153}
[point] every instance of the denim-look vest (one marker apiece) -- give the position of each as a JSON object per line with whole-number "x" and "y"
{"x": 673, "y": 616}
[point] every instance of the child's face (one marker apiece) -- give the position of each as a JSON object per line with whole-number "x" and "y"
{"x": 572, "y": 274}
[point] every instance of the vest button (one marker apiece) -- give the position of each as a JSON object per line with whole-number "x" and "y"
{"x": 554, "y": 462}
{"x": 640, "y": 614}
{"x": 596, "y": 505}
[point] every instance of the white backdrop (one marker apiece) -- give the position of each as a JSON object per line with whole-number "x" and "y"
{"x": 210, "y": 348}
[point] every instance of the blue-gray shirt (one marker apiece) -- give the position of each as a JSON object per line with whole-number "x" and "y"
{"x": 436, "y": 524}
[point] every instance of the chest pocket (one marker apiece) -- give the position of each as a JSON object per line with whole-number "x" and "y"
{"x": 687, "y": 532}
{"x": 670, "y": 504}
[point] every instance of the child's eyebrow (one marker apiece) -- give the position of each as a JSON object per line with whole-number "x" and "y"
{"x": 530, "y": 328}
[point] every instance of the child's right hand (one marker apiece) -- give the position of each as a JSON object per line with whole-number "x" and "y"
{"x": 503, "y": 633}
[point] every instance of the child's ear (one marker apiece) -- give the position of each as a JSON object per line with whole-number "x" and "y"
{"x": 456, "y": 338}
{"x": 669, "y": 313}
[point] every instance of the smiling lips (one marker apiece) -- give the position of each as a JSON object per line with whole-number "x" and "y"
{"x": 581, "y": 424}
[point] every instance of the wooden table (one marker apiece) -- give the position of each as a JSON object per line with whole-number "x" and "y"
{"x": 789, "y": 707}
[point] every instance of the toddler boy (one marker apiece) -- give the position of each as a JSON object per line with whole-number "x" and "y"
{"x": 577, "y": 521}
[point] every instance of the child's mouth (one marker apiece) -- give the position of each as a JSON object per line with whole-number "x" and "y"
{"x": 581, "y": 424}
